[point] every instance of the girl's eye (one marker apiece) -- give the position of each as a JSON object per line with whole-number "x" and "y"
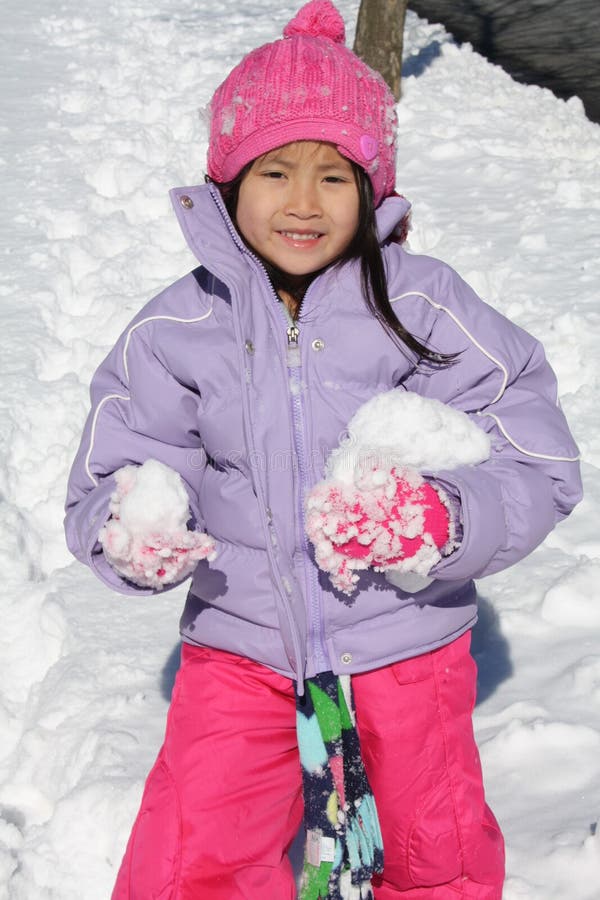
{"x": 335, "y": 179}
{"x": 273, "y": 174}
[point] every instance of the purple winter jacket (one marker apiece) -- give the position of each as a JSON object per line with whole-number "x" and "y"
{"x": 203, "y": 381}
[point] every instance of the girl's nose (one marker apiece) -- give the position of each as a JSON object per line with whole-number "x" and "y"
{"x": 302, "y": 201}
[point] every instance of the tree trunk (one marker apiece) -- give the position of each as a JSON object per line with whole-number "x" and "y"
{"x": 379, "y": 34}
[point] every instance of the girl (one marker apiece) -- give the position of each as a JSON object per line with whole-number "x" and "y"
{"x": 211, "y": 422}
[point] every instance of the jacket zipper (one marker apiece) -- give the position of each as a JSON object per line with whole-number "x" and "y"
{"x": 284, "y": 587}
{"x": 294, "y": 361}
{"x": 316, "y": 634}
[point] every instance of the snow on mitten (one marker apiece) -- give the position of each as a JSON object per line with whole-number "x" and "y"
{"x": 147, "y": 540}
{"x": 390, "y": 520}
{"x": 373, "y": 508}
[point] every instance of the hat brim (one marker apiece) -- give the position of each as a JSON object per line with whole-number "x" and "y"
{"x": 345, "y": 136}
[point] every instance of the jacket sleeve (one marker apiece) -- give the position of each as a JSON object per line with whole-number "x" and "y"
{"x": 139, "y": 411}
{"x": 501, "y": 377}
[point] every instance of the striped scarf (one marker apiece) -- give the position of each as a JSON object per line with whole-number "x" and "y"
{"x": 344, "y": 847}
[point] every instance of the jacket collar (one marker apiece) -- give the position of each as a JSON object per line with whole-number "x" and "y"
{"x": 392, "y": 216}
{"x": 212, "y": 237}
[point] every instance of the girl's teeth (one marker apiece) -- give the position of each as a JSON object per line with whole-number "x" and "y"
{"x": 300, "y": 237}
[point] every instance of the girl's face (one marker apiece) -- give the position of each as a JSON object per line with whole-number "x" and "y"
{"x": 298, "y": 206}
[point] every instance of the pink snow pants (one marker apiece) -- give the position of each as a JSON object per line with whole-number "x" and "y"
{"x": 223, "y": 802}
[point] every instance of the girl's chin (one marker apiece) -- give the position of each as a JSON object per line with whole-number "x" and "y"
{"x": 300, "y": 260}
{"x": 296, "y": 270}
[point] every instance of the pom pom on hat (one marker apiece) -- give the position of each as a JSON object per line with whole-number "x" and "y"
{"x": 307, "y": 86}
{"x": 319, "y": 18}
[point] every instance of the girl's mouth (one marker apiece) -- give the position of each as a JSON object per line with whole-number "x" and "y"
{"x": 301, "y": 238}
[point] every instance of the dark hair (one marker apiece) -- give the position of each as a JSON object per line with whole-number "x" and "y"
{"x": 364, "y": 246}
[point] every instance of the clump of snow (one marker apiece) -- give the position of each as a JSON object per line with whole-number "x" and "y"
{"x": 150, "y": 498}
{"x": 400, "y": 428}
{"x": 146, "y": 539}
{"x": 569, "y": 602}
{"x": 373, "y": 492}
{"x": 388, "y": 520}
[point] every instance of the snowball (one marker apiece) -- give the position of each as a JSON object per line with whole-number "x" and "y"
{"x": 400, "y": 428}
{"x": 158, "y": 500}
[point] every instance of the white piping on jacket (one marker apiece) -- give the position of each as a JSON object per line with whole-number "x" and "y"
{"x": 88, "y": 455}
{"x": 154, "y": 319}
{"x": 126, "y": 368}
{"x": 522, "y": 449}
{"x": 502, "y": 368}
{"x": 465, "y": 330}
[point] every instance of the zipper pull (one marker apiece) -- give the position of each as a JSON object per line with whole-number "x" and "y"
{"x": 294, "y": 360}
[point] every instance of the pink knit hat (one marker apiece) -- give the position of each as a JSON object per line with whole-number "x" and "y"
{"x": 306, "y": 86}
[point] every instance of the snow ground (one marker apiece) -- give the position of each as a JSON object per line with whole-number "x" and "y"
{"x": 100, "y": 106}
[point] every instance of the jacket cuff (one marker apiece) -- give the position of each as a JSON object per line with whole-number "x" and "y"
{"x": 479, "y": 498}
{"x": 451, "y": 500}
{"x": 82, "y": 527}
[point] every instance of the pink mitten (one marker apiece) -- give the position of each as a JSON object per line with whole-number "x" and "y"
{"x": 146, "y": 540}
{"x": 388, "y": 521}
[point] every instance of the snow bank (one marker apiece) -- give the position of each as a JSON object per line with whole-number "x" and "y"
{"x": 101, "y": 111}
